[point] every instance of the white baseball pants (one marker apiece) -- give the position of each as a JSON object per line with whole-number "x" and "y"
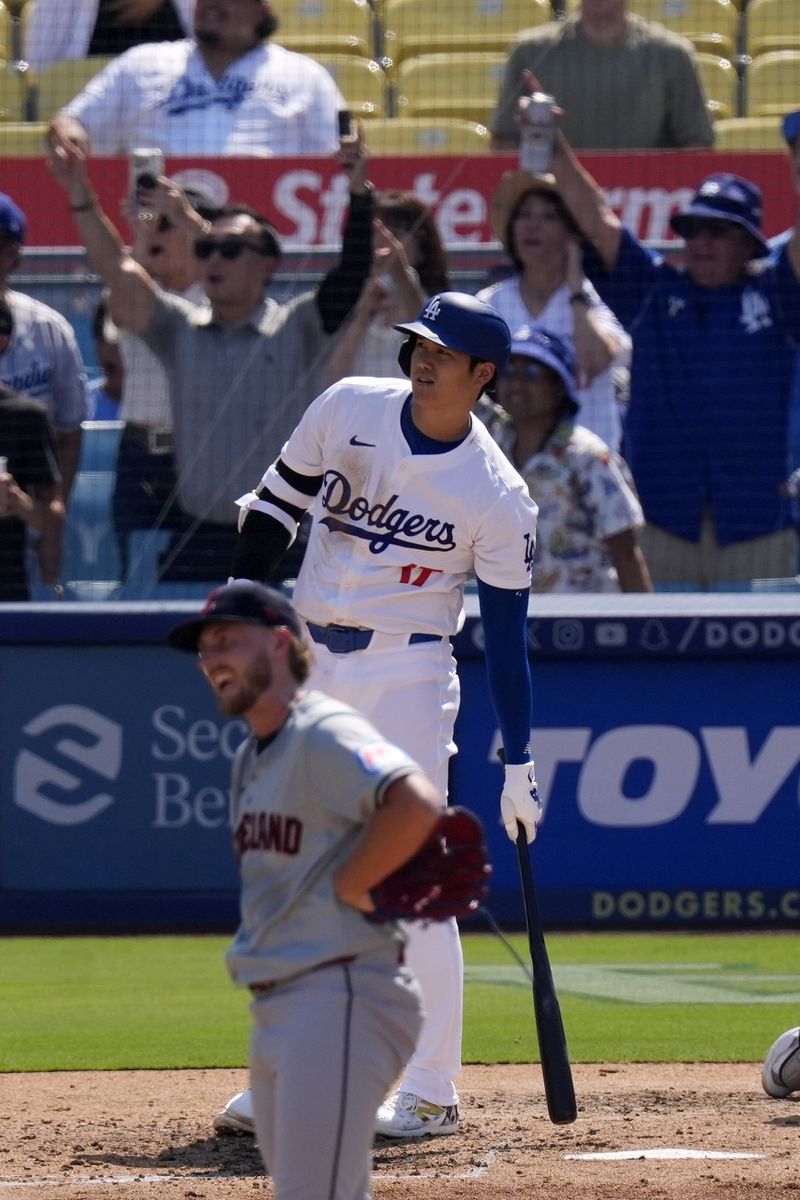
{"x": 411, "y": 694}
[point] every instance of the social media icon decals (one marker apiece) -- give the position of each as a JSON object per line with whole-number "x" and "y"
{"x": 610, "y": 634}
{"x": 567, "y": 635}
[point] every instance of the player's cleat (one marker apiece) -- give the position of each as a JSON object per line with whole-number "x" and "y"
{"x": 237, "y": 1115}
{"x": 781, "y": 1071}
{"x": 405, "y": 1115}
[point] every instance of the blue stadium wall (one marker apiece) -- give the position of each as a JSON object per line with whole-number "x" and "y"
{"x": 666, "y": 732}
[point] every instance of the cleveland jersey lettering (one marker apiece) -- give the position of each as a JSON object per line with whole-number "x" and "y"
{"x": 268, "y": 831}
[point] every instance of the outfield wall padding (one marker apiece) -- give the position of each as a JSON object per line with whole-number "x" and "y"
{"x": 666, "y": 732}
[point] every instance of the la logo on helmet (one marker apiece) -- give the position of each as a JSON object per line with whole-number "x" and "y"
{"x": 432, "y": 309}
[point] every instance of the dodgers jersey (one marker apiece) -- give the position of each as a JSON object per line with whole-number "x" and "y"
{"x": 396, "y": 535}
{"x": 43, "y": 361}
{"x": 297, "y": 811}
{"x": 270, "y": 101}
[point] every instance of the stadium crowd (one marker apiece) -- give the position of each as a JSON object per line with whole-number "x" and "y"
{"x": 651, "y": 403}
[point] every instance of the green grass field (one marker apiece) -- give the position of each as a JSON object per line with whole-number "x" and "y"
{"x": 92, "y": 1003}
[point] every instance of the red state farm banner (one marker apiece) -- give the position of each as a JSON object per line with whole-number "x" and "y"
{"x": 305, "y": 198}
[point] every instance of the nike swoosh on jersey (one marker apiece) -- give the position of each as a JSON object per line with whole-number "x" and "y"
{"x": 355, "y": 442}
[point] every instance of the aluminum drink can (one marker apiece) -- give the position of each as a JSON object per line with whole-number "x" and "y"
{"x": 537, "y": 130}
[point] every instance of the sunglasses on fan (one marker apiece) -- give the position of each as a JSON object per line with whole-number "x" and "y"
{"x": 229, "y": 248}
{"x": 528, "y": 370}
{"x": 696, "y": 226}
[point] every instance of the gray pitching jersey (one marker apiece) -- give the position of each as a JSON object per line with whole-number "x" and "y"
{"x": 298, "y": 808}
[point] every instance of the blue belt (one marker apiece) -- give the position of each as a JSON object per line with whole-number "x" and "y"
{"x": 344, "y": 639}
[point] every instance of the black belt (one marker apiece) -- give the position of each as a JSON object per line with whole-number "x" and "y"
{"x": 344, "y": 639}
{"x": 155, "y": 441}
{"x": 261, "y": 989}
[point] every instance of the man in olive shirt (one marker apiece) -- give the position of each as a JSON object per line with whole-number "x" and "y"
{"x": 624, "y": 83}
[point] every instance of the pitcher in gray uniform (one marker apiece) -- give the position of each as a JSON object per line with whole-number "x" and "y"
{"x": 322, "y": 809}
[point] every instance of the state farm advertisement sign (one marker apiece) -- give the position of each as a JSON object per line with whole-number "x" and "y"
{"x": 305, "y": 198}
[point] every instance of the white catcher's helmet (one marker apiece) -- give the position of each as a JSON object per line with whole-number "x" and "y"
{"x": 781, "y": 1072}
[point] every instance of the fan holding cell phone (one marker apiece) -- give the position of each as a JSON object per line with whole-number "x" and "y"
{"x": 146, "y": 167}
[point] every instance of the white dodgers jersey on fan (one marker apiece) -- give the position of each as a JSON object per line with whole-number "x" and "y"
{"x": 395, "y": 535}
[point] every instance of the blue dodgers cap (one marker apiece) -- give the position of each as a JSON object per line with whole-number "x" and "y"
{"x": 791, "y": 126}
{"x": 241, "y": 600}
{"x": 724, "y": 197}
{"x": 460, "y": 322}
{"x": 533, "y": 341}
{"x": 12, "y": 219}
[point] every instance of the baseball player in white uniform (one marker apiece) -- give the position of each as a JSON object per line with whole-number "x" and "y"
{"x": 322, "y": 809}
{"x": 409, "y": 496}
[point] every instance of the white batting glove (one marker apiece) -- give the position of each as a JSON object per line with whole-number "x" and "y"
{"x": 520, "y": 800}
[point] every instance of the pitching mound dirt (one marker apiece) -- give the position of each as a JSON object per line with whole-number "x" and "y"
{"x": 678, "y": 1132}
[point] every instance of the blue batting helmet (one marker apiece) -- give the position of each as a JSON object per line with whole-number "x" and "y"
{"x": 460, "y": 322}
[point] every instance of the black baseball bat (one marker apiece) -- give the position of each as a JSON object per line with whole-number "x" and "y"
{"x": 556, "y": 1071}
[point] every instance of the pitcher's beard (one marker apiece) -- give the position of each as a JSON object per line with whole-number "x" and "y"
{"x": 257, "y": 681}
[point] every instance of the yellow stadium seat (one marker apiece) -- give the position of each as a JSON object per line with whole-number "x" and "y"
{"x": 720, "y": 83}
{"x": 432, "y": 26}
{"x": 361, "y": 81}
{"x": 772, "y": 83}
{"x": 12, "y": 24}
{"x": 712, "y": 25}
{"x": 772, "y": 25}
{"x": 12, "y": 93}
{"x": 749, "y": 133}
{"x": 319, "y": 27}
{"x": 6, "y": 34}
{"x": 23, "y": 138}
{"x": 23, "y": 11}
{"x": 410, "y": 135}
{"x": 450, "y": 85}
{"x": 54, "y": 86}
{"x": 571, "y": 6}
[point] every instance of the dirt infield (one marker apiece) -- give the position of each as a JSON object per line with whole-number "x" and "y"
{"x": 146, "y": 1135}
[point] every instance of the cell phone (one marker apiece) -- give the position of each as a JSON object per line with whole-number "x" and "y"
{"x": 346, "y": 131}
{"x": 146, "y": 165}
